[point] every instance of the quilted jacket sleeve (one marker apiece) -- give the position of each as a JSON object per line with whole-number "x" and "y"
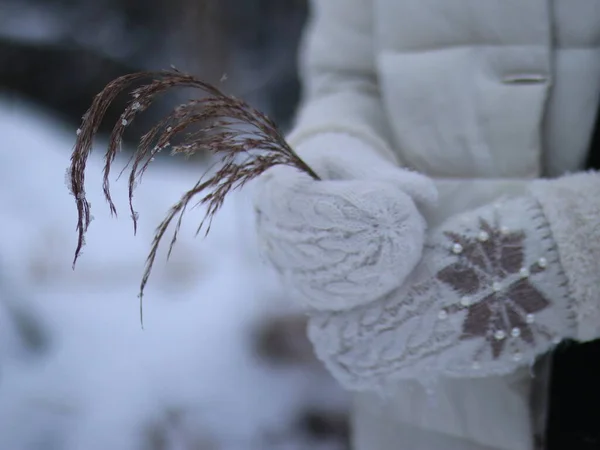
{"x": 337, "y": 72}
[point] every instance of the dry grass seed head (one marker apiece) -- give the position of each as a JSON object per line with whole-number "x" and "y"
{"x": 246, "y": 142}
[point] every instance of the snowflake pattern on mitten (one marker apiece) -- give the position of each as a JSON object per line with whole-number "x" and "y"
{"x": 495, "y": 286}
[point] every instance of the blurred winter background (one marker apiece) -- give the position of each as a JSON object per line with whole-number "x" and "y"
{"x": 222, "y": 362}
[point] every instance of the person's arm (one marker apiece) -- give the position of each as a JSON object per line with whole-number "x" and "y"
{"x": 497, "y": 287}
{"x": 329, "y": 238}
{"x": 340, "y": 91}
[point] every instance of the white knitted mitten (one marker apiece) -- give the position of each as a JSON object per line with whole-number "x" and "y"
{"x": 488, "y": 296}
{"x": 350, "y": 238}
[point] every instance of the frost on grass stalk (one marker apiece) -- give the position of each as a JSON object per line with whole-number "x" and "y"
{"x": 245, "y": 140}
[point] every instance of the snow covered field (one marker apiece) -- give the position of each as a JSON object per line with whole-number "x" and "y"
{"x": 77, "y": 372}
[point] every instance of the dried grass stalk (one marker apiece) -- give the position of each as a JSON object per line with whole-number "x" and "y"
{"x": 246, "y": 141}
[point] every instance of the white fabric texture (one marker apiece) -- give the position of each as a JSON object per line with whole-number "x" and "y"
{"x": 349, "y": 239}
{"x": 488, "y": 413}
{"x": 572, "y": 207}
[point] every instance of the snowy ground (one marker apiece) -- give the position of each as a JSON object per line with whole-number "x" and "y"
{"x": 77, "y": 372}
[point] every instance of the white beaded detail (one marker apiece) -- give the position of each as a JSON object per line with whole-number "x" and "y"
{"x": 124, "y": 122}
{"x": 496, "y": 286}
{"x": 457, "y": 249}
{"x": 515, "y": 332}
{"x": 442, "y": 315}
{"x": 524, "y": 272}
{"x": 543, "y": 262}
{"x": 465, "y": 301}
{"x": 499, "y": 335}
{"x": 530, "y": 318}
{"x": 483, "y": 236}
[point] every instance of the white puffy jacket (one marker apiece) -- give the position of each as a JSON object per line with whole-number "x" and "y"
{"x": 484, "y": 97}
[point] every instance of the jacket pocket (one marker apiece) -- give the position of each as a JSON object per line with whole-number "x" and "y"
{"x": 467, "y": 111}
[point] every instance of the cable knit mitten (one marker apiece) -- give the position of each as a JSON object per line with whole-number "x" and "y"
{"x": 489, "y": 296}
{"x": 350, "y": 238}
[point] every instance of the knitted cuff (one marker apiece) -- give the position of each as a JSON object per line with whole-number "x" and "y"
{"x": 572, "y": 206}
